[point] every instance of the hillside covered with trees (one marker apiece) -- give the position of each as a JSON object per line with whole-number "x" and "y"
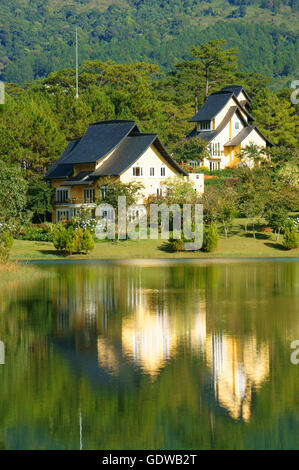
{"x": 37, "y": 37}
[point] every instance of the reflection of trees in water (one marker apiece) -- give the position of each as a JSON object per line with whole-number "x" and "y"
{"x": 212, "y": 331}
{"x": 158, "y": 323}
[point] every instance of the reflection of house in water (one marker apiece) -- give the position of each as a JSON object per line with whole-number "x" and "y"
{"x": 238, "y": 369}
{"x": 147, "y": 328}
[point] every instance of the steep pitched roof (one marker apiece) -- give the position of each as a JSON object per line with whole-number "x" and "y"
{"x": 210, "y": 135}
{"x": 127, "y": 145}
{"x": 59, "y": 169}
{"x": 215, "y": 103}
{"x": 82, "y": 178}
{"x": 128, "y": 153}
{"x": 99, "y": 140}
{"x": 238, "y": 139}
{"x": 236, "y": 89}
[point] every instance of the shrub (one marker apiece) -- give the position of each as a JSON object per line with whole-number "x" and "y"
{"x": 87, "y": 242}
{"x": 290, "y": 236}
{"x": 6, "y": 244}
{"x": 73, "y": 240}
{"x": 176, "y": 245}
{"x": 37, "y": 233}
{"x": 210, "y": 238}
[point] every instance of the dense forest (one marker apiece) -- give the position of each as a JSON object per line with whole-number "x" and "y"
{"x": 37, "y": 37}
{"x": 38, "y": 118}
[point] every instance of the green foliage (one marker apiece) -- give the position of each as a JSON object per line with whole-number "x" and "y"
{"x": 39, "y": 199}
{"x": 130, "y": 30}
{"x": 69, "y": 240}
{"x": 191, "y": 149}
{"x": 6, "y": 244}
{"x": 276, "y": 117}
{"x": 179, "y": 191}
{"x": 290, "y": 236}
{"x": 39, "y": 233}
{"x": 112, "y": 189}
{"x": 210, "y": 238}
{"x": 13, "y": 189}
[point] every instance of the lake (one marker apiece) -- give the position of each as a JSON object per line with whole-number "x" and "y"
{"x": 153, "y": 355}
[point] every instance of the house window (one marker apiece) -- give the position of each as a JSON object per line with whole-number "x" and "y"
{"x": 103, "y": 191}
{"x": 62, "y": 196}
{"x": 205, "y": 125}
{"x": 215, "y": 149}
{"x": 159, "y": 192}
{"x": 163, "y": 171}
{"x": 193, "y": 163}
{"x": 152, "y": 171}
{"x": 214, "y": 166}
{"x": 63, "y": 215}
{"x": 137, "y": 171}
{"x": 237, "y": 125}
{"x": 89, "y": 196}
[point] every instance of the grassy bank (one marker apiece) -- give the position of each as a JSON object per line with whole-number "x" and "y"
{"x": 15, "y": 272}
{"x": 238, "y": 245}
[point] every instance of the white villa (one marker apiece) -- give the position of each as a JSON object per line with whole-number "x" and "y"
{"x": 225, "y": 122}
{"x": 116, "y": 149}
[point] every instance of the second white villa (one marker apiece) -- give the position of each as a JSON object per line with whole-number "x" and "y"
{"x": 226, "y": 124}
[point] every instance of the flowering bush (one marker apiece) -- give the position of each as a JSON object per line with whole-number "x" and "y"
{"x": 89, "y": 225}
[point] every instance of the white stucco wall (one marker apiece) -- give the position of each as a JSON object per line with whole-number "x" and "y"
{"x": 150, "y": 159}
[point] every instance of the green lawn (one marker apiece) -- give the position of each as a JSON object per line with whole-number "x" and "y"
{"x": 238, "y": 245}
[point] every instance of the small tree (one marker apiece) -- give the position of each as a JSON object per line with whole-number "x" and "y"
{"x": 227, "y": 208}
{"x": 73, "y": 239}
{"x": 111, "y": 189}
{"x": 179, "y": 191}
{"x": 210, "y": 238}
{"x": 290, "y": 236}
{"x": 191, "y": 149}
{"x": 252, "y": 155}
{"x": 39, "y": 199}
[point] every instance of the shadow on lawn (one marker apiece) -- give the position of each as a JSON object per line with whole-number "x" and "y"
{"x": 54, "y": 253}
{"x": 166, "y": 247}
{"x": 276, "y": 246}
{"x": 258, "y": 236}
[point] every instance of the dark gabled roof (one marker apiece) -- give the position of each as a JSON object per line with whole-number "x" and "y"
{"x": 236, "y": 89}
{"x": 238, "y": 139}
{"x": 209, "y": 135}
{"x": 128, "y": 153}
{"x": 99, "y": 140}
{"x": 59, "y": 169}
{"x": 214, "y": 104}
{"x": 81, "y": 178}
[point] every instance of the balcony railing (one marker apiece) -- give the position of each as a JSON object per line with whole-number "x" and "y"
{"x": 76, "y": 200}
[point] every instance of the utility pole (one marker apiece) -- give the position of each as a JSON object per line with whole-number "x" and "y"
{"x": 77, "y": 74}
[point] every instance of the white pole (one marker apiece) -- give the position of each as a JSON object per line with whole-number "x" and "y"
{"x": 80, "y": 426}
{"x": 77, "y": 75}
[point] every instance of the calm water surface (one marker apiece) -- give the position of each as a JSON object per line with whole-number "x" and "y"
{"x": 184, "y": 356}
